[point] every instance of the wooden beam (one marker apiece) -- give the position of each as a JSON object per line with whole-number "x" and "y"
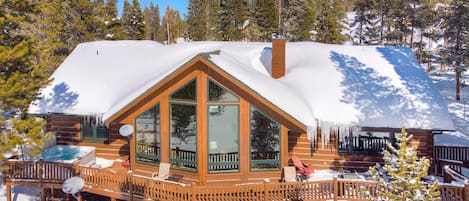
{"x": 8, "y": 192}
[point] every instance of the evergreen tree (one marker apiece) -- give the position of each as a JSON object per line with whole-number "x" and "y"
{"x": 172, "y": 25}
{"x": 402, "y": 174}
{"x": 457, "y": 32}
{"x": 112, "y": 23}
{"x": 365, "y": 22}
{"x": 133, "y": 26}
{"x": 231, "y": 18}
{"x": 21, "y": 76}
{"x": 212, "y": 15}
{"x": 384, "y": 9}
{"x": 299, "y": 19}
{"x": 153, "y": 29}
{"x": 196, "y": 20}
{"x": 266, "y": 18}
{"x": 328, "y": 26}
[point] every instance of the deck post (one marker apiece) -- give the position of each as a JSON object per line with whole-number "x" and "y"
{"x": 466, "y": 192}
{"x": 266, "y": 190}
{"x": 40, "y": 178}
{"x": 8, "y": 192}
{"x": 193, "y": 191}
{"x": 130, "y": 183}
{"x": 336, "y": 188}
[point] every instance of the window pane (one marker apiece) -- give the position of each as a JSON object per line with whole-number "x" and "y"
{"x": 217, "y": 93}
{"x": 148, "y": 136}
{"x": 93, "y": 130}
{"x": 265, "y": 142}
{"x": 187, "y": 92}
{"x": 183, "y": 137}
{"x": 367, "y": 143}
{"x": 223, "y": 138}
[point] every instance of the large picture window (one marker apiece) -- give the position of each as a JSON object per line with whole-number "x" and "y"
{"x": 183, "y": 122}
{"x": 265, "y": 142}
{"x": 148, "y": 136}
{"x": 223, "y": 130}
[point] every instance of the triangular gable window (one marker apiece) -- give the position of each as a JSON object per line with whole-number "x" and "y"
{"x": 218, "y": 93}
{"x": 187, "y": 92}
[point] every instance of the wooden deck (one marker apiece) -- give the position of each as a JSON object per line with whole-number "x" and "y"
{"x": 127, "y": 186}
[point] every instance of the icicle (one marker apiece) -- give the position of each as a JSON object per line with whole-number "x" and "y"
{"x": 312, "y": 134}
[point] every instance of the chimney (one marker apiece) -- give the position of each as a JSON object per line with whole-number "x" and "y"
{"x": 278, "y": 57}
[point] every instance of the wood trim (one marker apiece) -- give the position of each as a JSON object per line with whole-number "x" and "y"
{"x": 201, "y": 63}
{"x": 202, "y": 131}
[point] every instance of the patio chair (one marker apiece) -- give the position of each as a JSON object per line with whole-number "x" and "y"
{"x": 163, "y": 172}
{"x": 289, "y": 174}
{"x": 302, "y": 168}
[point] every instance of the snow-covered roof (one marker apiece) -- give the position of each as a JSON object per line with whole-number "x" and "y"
{"x": 370, "y": 86}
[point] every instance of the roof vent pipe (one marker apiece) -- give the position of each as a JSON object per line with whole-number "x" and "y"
{"x": 278, "y": 57}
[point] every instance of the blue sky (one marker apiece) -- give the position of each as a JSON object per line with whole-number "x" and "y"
{"x": 180, "y": 5}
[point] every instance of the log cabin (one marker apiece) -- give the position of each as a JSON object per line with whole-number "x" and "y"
{"x": 225, "y": 112}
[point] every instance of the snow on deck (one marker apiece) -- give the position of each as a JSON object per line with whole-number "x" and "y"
{"x": 366, "y": 86}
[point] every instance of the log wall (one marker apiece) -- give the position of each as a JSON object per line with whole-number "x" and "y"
{"x": 326, "y": 156}
{"x": 67, "y": 131}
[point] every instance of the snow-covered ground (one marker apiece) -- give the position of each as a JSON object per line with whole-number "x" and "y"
{"x": 459, "y": 110}
{"x": 19, "y": 193}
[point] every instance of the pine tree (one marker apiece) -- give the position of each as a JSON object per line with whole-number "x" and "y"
{"x": 172, "y": 25}
{"x": 328, "y": 26}
{"x": 112, "y": 23}
{"x": 299, "y": 19}
{"x": 152, "y": 23}
{"x": 230, "y": 19}
{"x": 365, "y": 22}
{"x": 196, "y": 20}
{"x": 402, "y": 173}
{"x": 384, "y": 9}
{"x": 21, "y": 76}
{"x": 133, "y": 26}
{"x": 266, "y": 18}
{"x": 457, "y": 32}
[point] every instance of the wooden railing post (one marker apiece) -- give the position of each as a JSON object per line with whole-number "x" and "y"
{"x": 130, "y": 183}
{"x": 266, "y": 191}
{"x": 336, "y": 188}
{"x": 40, "y": 178}
{"x": 194, "y": 197}
{"x": 8, "y": 192}
{"x": 466, "y": 192}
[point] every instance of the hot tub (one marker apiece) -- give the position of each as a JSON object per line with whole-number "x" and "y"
{"x": 85, "y": 155}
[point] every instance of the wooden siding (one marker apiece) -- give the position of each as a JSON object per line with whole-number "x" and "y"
{"x": 67, "y": 131}
{"x": 327, "y": 156}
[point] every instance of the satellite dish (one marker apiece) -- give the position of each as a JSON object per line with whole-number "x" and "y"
{"x": 73, "y": 185}
{"x": 126, "y": 130}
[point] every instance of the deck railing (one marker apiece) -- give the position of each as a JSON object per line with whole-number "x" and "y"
{"x": 451, "y": 153}
{"x": 129, "y": 186}
{"x": 454, "y": 157}
{"x": 363, "y": 144}
{"x": 38, "y": 172}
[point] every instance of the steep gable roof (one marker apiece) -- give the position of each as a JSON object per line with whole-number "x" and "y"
{"x": 366, "y": 86}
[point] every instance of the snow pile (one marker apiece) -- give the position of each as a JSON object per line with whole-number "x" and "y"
{"x": 22, "y": 193}
{"x": 103, "y": 163}
{"x": 333, "y": 85}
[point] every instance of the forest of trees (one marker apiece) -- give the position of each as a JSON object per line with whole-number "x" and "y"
{"x": 37, "y": 35}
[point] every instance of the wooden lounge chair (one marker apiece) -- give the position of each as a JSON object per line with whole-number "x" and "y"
{"x": 163, "y": 172}
{"x": 301, "y": 168}
{"x": 289, "y": 174}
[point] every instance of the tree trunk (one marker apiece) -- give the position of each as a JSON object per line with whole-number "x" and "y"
{"x": 458, "y": 83}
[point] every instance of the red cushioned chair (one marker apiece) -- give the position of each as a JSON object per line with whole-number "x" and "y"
{"x": 301, "y": 168}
